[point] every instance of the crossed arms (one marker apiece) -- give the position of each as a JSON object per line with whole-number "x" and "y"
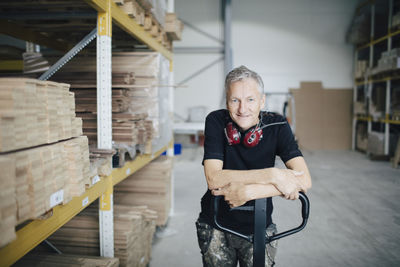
{"x": 238, "y": 186}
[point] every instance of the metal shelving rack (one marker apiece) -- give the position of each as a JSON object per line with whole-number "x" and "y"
{"x": 33, "y": 233}
{"x": 369, "y": 82}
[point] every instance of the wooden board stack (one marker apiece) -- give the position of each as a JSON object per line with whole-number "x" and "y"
{"x": 173, "y": 26}
{"x": 133, "y": 234}
{"x": 63, "y": 260}
{"x": 8, "y": 201}
{"x": 34, "y": 112}
{"x": 46, "y": 176}
{"x": 150, "y": 186}
{"x": 135, "y": 80}
{"x": 125, "y": 128}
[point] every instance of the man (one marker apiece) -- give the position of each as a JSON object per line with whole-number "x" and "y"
{"x": 240, "y": 147}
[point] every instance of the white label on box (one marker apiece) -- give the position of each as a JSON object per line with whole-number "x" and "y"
{"x": 56, "y": 198}
{"x": 128, "y": 171}
{"x": 85, "y": 201}
{"x": 95, "y": 179}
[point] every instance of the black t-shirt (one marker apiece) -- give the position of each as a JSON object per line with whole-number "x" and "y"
{"x": 278, "y": 140}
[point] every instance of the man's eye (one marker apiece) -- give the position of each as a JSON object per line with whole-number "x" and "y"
{"x": 251, "y": 99}
{"x": 234, "y": 100}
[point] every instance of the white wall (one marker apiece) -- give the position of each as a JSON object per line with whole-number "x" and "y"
{"x": 285, "y": 41}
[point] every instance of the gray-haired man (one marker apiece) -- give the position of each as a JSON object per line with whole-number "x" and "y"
{"x": 241, "y": 143}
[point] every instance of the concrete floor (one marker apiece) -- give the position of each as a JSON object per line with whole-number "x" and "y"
{"x": 354, "y": 217}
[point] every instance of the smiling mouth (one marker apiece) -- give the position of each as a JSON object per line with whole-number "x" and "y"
{"x": 242, "y": 116}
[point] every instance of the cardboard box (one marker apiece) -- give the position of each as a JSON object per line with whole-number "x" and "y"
{"x": 323, "y": 117}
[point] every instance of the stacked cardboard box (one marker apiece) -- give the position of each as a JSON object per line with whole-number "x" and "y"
{"x": 361, "y": 137}
{"x": 396, "y": 20}
{"x": 133, "y": 234}
{"x": 323, "y": 117}
{"x": 34, "y": 112}
{"x": 63, "y": 260}
{"x": 361, "y": 69}
{"x": 150, "y": 186}
{"x": 389, "y": 60}
{"x": 377, "y": 100}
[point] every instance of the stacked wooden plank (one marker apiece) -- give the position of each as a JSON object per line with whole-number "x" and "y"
{"x": 150, "y": 15}
{"x": 46, "y": 176}
{"x": 8, "y": 201}
{"x": 150, "y": 186}
{"x": 44, "y": 158}
{"x": 100, "y": 164}
{"x": 133, "y": 233}
{"x": 125, "y": 127}
{"x": 135, "y": 80}
{"x": 63, "y": 260}
{"x": 86, "y": 100}
{"x": 34, "y": 112}
{"x": 173, "y": 26}
{"x": 134, "y": 10}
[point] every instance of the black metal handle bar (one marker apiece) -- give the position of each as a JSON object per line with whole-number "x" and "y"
{"x": 260, "y": 204}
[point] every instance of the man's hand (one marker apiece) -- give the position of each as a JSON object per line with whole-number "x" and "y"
{"x": 235, "y": 194}
{"x": 288, "y": 182}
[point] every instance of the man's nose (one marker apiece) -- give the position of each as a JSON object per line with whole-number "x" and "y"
{"x": 242, "y": 107}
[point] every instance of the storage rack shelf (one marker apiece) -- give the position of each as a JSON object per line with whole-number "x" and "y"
{"x": 34, "y": 232}
{"x": 381, "y": 39}
{"x": 375, "y": 89}
{"x": 130, "y": 26}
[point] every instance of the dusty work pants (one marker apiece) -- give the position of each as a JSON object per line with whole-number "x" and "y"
{"x": 220, "y": 249}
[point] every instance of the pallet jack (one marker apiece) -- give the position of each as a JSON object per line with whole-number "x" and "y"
{"x": 259, "y": 238}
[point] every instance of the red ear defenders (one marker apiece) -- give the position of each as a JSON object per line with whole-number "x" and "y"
{"x": 251, "y": 138}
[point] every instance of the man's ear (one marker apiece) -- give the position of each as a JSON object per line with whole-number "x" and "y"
{"x": 262, "y": 103}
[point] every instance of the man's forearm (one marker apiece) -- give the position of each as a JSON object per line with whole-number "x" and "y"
{"x": 221, "y": 178}
{"x": 236, "y": 194}
{"x": 256, "y": 191}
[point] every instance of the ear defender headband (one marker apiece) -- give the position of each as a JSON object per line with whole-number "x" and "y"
{"x": 251, "y": 138}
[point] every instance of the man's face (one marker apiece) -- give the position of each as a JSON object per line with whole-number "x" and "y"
{"x": 244, "y": 103}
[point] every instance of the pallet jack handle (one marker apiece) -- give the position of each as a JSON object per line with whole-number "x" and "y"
{"x": 259, "y": 238}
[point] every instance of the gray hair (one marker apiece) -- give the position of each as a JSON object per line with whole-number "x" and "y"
{"x": 241, "y": 73}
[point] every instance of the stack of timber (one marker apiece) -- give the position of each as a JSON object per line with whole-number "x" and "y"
{"x": 34, "y": 112}
{"x": 46, "y": 176}
{"x": 43, "y": 157}
{"x": 134, "y": 228}
{"x": 173, "y": 26}
{"x": 149, "y": 14}
{"x": 128, "y": 129}
{"x": 34, "y": 63}
{"x": 150, "y": 186}
{"x": 64, "y": 260}
{"x": 8, "y": 201}
{"x": 136, "y": 77}
{"x": 100, "y": 164}
{"x": 133, "y": 9}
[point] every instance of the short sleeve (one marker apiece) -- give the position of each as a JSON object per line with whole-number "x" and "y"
{"x": 287, "y": 147}
{"x": 214, "y": 141}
